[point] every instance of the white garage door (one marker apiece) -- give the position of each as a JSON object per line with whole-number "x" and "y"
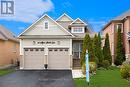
{"x": 58, "y": 58}
{"x": 33, "y": 58}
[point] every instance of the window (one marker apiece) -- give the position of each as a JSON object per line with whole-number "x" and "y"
{"x": 37, "y": 49}
{"x": 42, "y": 49}
{"x": 77, "y": 30}
{"x": 77, "y": 50}
{"x": 66, "y": 49}
{"x": 46, "y": 25}
{"x": 26, "y": 49}
{"x": 55, "y": 49}
{"x": 119, "y": 26}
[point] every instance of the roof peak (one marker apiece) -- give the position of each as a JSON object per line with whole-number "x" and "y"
{"x": 79, "y": 20}
{"x": 64, "y": 14}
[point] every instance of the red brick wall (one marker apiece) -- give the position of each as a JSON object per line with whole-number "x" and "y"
{"x": 7, "y": 52}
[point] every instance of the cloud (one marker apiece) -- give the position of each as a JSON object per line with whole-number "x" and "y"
{"x": 29, "y": 10}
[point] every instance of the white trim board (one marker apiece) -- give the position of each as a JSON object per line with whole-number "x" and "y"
{"x": 79, "y": 20}
{"x": 64, "y": 15}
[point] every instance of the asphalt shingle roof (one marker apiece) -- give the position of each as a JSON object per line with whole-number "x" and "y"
{"x": 5, "y": 34}
{"x": 122, "y": 16}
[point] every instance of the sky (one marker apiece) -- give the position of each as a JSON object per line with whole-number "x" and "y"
{"x": 97, "y": 13}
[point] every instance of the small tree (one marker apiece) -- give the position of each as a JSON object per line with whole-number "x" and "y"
{"x": 106, "y": 49}
{"x": 99, "y": 51}
{"x": 120, "y": 53}
{"x": 90, "y": 50}
{"x": 95, "y": 48}
{"x": 85, "y": 47}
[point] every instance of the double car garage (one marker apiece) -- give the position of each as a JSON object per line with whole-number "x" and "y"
{"x": 56, "y": 58}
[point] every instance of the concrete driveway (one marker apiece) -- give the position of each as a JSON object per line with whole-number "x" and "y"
{"x": 49, "y": 78}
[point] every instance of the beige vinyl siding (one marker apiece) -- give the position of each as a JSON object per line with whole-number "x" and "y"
{"x": 38, "y": 28}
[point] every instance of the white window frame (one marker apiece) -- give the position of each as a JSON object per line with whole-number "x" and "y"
{"x": 118, "y": 26}
{"x": 72, "y": 30}
{"x": 44, "y": 25}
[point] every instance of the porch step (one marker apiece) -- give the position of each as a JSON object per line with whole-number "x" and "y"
{"x": 76, "y": 64}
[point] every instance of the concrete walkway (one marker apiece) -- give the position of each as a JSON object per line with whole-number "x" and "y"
{"x": 77, "y": 73}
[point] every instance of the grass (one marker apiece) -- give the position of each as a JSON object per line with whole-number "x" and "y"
{"x": 104, "y": 78}
{"x": 6, "y": 71}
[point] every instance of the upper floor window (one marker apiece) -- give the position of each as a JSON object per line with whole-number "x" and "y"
{"x": 119, "y": 26}
{"x": 77, "y": 30}
{"x": 46, "y": 25}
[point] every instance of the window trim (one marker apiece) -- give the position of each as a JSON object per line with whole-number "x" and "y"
{"x": 44, "y": 25}
{"x": 121, "y": 27}
{"x": 72, "y": 30}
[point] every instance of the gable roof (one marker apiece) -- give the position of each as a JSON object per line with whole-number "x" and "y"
{"x": 79, "y": 20}
{"x": 49, "y": 18}
{"x": 118, "y": 18}
{"x": 5, "y": 34}
{"x": 63, "y": 16}
{"x": 122, "y": 16}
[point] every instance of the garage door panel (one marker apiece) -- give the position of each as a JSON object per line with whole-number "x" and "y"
{"x": 34, "y": 58}
{"x": 58, "y": 58}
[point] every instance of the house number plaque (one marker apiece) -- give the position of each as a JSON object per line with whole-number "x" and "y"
{"x": 44, "y": 42}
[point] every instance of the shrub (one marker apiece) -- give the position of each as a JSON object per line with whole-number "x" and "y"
{"x": 92, "y": 68}
{"x": 125, "y": 70}
{"x": 105, "y": 64}
{"x": 84, "y": 68}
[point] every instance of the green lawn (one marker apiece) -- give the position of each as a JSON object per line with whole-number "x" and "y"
{"x": 6, "y": 71}
{"x": 104, "y": 78}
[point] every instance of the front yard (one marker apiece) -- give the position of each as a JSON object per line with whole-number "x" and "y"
{"x": 104, "y": 78}
{"x": 6, "y": 71}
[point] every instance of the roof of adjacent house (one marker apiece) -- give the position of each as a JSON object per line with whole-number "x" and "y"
{"x": 122, "y": 16}
{"x": 5, "y": 34}
{"x": 118, "y": 18}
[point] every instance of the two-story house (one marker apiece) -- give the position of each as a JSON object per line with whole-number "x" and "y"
{"x": 123, "y": 22}
{"x": 57, "y": 43}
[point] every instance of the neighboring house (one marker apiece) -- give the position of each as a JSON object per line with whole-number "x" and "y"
{"x": 9, "y": 48}
{"x": 123, "y": 22}
{"x": 57, "y": 43}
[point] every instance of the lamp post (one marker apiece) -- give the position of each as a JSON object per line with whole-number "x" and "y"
{"x": 87, "y": 67}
